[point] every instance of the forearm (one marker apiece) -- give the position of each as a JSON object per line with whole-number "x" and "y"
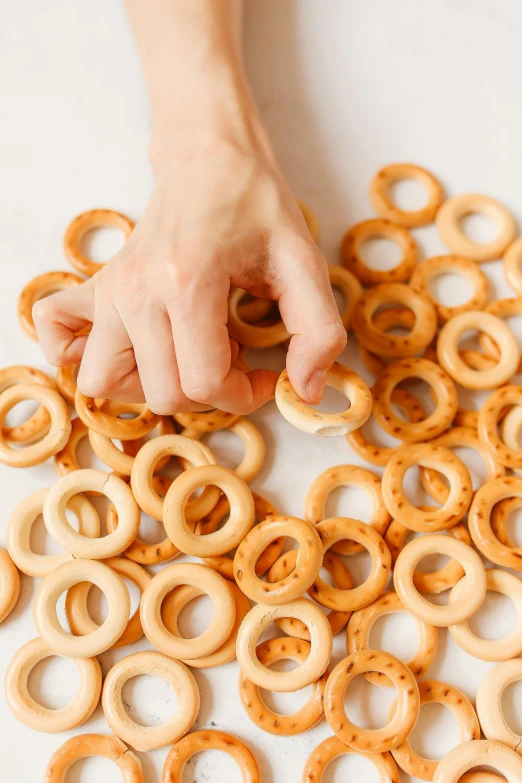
{"x": 191, "y": 55}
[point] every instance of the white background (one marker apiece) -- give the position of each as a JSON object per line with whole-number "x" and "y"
{"x": 344, "y": 88}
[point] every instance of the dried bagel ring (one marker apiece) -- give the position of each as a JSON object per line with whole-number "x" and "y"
{"x": 499, "y": 519}
{"x": 479, "y": 521}
{"x": 37, "y": 424}
{"x": 488, "y": 421}
{"x": 140, "y": 551}
{"x": 208, "y": 581}
{"x": 474, "y": 581}
{"x": 235, "y": 529}
{"x": 199, "y": 741}
{"x": 56, "y": 435}
{"x": 385, "y": 206}
{"x": 110, "y": 486}
{"x": 254, "y": 544}
{"x": 339, "y": 529}
{"x": 435, "y": 692}
{"x": 65, "y": 461}
{"x": 428, "y": 582}
{"x": 33, "y": 714}
{"x": 406, "y": 712}
{"x": 492, "y": 649}
{"x": 511, "y": 429}
{"x": 9, "y": 585}
{"x": 332, "y": 747}
{"x": 84, "y": 745}
{"x": 489, "y": 702}
{"x": 452, "y": 438}
{"x": 442, "y": 387}
{"x": 341, "y": 578}
{"x": 64, "y": 577}
{"x": 384, "y": 320}
{"x": 93, "y": 415}
{"x": 431, "y": 268}
{"x": 66, "y": 382}
{"x": 450, "y": 359}
{"x": 179, "y": 598}
{"x": 182, "y": 682}
{"x": 380, "y": 455}
{"x": 475, "y": 754}
{"x": 206, "y": 421}
{"x": 504, "y": 309}
{"x": 146, "y": 463}
{"x": 252, "y": 335}
{"x": 252, "y": 440}
{"x": 20, "y": 525}
{"x": 356, "y": 236}
{"x": 360, "y": 626}
{"x": 224, "y": 564}
{"x": 512, "y": 261}
{"x": 257, "y": 619}
{"x": 351, "y": 289}
{"x": 122, "y": 461}
{"x": 303, "y": 719}
{"x": 382, "y": 343}
{"x": 37, "y": 289}
{"x": 440, "y": 459}
{"x": 449, "y": 226}
{"x": 326, "y": 425}
{"x": 77, "y": 610}
{"x": 81, "y": 225}
{"x": 346, "y": 476}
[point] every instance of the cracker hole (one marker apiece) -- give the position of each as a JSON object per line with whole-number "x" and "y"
{"x": 397, "y": 633}
{"x": 54, "y": 682}
{"x": 93, "y": 768}
{"x": 286, "y": 703}
{"x": 511, "y": 701}
{"x": 408, "y": 194}
{"x": 212, "y": 765}
{"x": 495, "y": 619}
{"x": 380, "y": 253}
{"x": 451, "y": 289}
{"x": 479, "y": 227}
{"x": 101, "y": 244}
{"x": 435, "y": 733}
{"x": 195, "y": 617}
{"x": 351, "y": 766}
{"x": 368, "y": 705}
{"x": 149, "y": 700}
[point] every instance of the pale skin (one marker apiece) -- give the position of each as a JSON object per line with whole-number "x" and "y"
{"x": 221, "y": 215}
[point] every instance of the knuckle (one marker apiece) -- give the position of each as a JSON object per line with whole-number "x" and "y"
{"x": 129, "y": 282}
{"x": 165, "y": 405}
{"x": 201, "y": 390}
{"x": 55, "y": 356}
{"x": 334, "y": 336}
{"x": 43, "y": 311}
{"x": 93, "y": 386}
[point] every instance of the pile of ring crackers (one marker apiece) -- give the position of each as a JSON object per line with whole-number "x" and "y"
{"x": 245, "y": 566}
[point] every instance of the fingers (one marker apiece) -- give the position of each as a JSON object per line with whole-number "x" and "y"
{"x": 310, "y": 314}
{"x": 108, "y": 367}
{"x": 151, "y": 337}
{"x": 204, "y": 353}
{"x": 59, "y": 318}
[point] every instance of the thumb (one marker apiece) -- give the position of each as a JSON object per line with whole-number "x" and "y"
{"x": 63, "y": 321}
{"x": 311, "y": 316}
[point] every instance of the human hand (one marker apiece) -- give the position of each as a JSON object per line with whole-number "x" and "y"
{"x": 221, "y": 215}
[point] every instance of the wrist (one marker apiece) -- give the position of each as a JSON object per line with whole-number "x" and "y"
{"x": 225, "y": 114}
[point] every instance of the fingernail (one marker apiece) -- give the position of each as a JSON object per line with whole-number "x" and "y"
{"x": 316, "y": 384}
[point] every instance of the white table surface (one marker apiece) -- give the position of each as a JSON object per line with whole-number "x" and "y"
{"x": 344, "y": 88}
